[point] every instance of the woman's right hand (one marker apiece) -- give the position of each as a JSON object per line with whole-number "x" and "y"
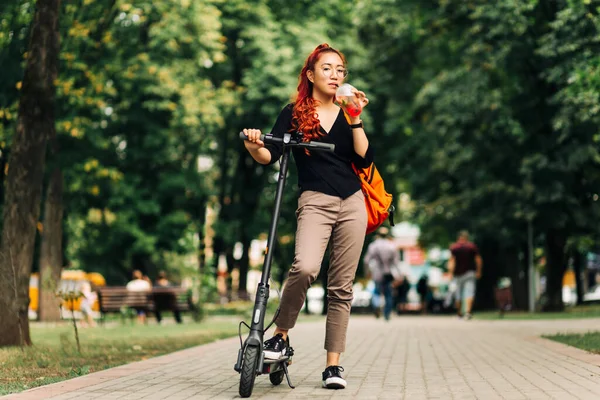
{"x": 253, "y": 141}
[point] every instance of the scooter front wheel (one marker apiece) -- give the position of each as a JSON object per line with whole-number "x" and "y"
{"x": 248, "y": 372}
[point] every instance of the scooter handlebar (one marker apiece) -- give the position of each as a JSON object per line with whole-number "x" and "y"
{"x": 310, "y": 145}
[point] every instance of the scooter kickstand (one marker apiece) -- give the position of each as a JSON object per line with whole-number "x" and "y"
{"x": 287, "y": 375}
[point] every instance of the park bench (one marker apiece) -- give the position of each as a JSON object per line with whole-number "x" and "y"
{"x": 117, "y": 299}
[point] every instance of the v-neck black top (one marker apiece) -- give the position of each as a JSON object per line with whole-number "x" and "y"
{"x": 323, "y": 171}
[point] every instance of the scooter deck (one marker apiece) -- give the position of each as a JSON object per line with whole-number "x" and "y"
{"x": 268, "y": 361}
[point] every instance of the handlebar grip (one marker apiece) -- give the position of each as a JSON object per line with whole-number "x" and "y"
{"x": 244, "y": 137}
{"x": 322, "y": 146}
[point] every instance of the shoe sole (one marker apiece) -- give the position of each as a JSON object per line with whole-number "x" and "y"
{"x": 334, "y": 383}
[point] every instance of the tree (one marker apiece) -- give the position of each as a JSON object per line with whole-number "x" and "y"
{"x": 137, "y": 111}
{"x": 51, "y": 253}
{"x": 35, "y": 127}
{"x": 498, "y": 129}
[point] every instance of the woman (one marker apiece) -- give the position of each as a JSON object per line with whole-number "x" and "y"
{"x": 331, "y": 204}
{"x": 139, "y": 283}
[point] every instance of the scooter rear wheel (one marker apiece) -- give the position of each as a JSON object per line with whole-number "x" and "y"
{"x": 248, "y": 372}
{"x": 276, "y": 377}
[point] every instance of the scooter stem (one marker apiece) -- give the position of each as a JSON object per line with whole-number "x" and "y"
{"x": 283, "y": 169}
{"x": 262, "y": 293}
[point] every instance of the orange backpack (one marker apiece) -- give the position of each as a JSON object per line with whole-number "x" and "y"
{"x": 379, "y": 202}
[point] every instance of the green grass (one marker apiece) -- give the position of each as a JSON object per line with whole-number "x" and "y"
{"x": 587, "y": 311}
{"x": 54, "y": 356}
{"x": 587, "y": 341}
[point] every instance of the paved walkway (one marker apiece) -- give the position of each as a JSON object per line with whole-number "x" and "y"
{"x": 407, "y": 358}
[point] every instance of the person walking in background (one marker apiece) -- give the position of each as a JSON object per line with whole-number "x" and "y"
{"x": 402, "y": 287}
{"x": 382, "y": 257}
{"x": 465, "y": 265}
{"x": 423, "y": 291}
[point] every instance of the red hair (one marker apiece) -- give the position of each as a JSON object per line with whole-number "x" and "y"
{"x": 304, "y": 116}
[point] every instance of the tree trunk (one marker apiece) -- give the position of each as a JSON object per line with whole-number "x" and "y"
{"x": 201, "y": 218}
{"x": 35, "y": 126}
{"x": 3, "y": 164}
{"x": 223, "y": 217}
{"x": 244, "y": 268}
{"x": 555, "y": 269}
{"x": 578, "y": 267}
{"x": 517, "y": 271}
{"x": 51, "y": 260}
{"x": 527, "y": 280}
{"x": 231, "y": 264}
{"x": 493, "y": 268}
{"x": 201, "y": 251}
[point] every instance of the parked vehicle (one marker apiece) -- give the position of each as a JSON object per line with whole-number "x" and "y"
{"x": 70, "y": 280}
{"x": 593, "y": 294}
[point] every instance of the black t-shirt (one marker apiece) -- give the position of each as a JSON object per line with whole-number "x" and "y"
{"x": 323, "y": 171}
{"x": 464, "y": 253}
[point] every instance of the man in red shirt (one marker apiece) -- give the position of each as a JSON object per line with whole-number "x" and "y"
{"x": 465, "y": 265}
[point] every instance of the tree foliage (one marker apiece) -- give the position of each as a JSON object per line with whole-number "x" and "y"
{"x": 500, "y": 119}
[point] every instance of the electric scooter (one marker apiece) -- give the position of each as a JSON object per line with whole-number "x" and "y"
{"x": 251, "y": 360}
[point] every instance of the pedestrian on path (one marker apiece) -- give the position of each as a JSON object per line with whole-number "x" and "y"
{"x": 382, "y": 258}
{"x": 424, "y": 292}
{"x": 331, "y": 203}
{"x": 465, "y": 265}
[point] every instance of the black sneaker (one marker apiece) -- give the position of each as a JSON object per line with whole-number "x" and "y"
{"x": 332, "y": 377}
{"x": 276, "y": 348}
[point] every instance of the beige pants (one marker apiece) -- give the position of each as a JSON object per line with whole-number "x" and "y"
{"x": 321, "y": 217}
